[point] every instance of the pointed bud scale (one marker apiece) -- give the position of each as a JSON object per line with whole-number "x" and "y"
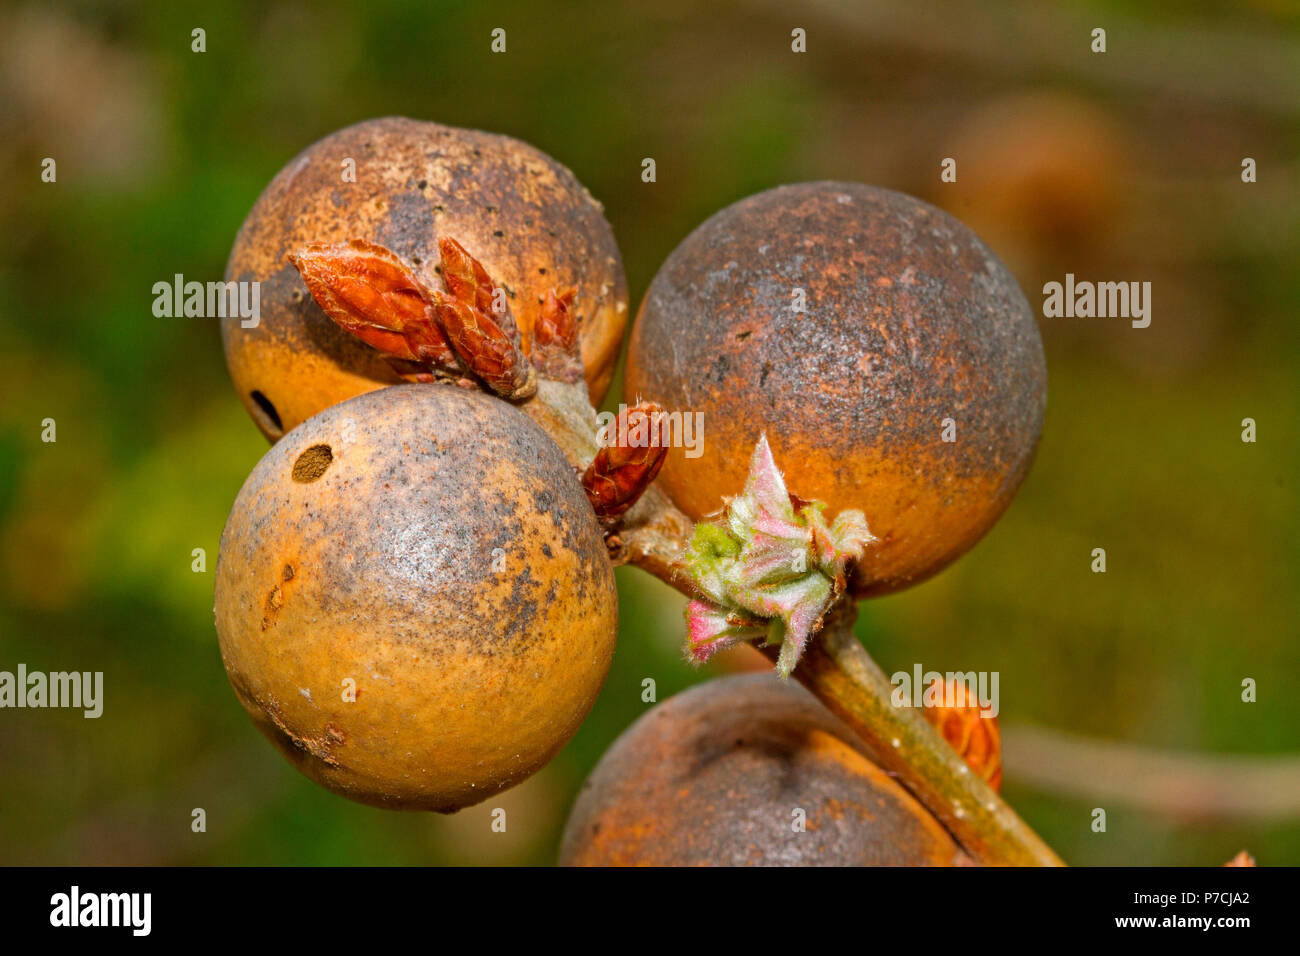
{"x": 485, "y": 338}
{"x": 427, "y": 334}
{"x": 486, "y": 349}
{"x": 468, "y": 281}
{"x": 555, "y": 338}
{"x": 711, "y": 629}
{"x": 556, "y": 325}
{"x": 370, "y": 292}
{"x": 623, "y": 469}
{"x": 465, "y": 277}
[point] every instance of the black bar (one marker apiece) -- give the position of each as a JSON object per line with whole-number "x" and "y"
{"x": 302, "y": 905}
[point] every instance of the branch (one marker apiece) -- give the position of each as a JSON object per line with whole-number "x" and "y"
{"x": 839, "y": 671}
{"x": 841, "y": 674}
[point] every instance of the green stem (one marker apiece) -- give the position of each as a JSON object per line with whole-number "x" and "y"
{"x": 838, "y": 670}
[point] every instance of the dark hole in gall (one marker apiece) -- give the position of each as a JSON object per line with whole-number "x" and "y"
{"x": 312, "y": 463}
{"x": 264, "y": 403}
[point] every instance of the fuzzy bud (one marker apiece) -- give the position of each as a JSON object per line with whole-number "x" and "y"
{"x": 769, "y": 568}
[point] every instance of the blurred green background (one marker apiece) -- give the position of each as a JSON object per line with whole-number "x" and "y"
{"x": 1122, "y": 166}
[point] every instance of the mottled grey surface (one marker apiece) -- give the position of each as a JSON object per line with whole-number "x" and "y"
{"x": 713, "y": 776}
{"x": 910, "y": 319}
{"x": 442, "y": 552}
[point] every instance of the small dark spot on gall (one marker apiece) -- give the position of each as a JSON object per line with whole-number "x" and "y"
{"x": 741, "y": 336}
{"x": 424, "y": 184}
{"x": 287, "y": 574}
{"x": 498, "y": 233}
{"x": 312, "y": 463}
{"x": 264, "y": 403}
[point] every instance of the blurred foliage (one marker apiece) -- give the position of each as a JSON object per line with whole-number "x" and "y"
{"x": 1117, "y": 173}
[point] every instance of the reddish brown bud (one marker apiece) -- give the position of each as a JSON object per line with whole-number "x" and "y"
{"x": 486, "y": 349}
{"x": 427, "y": 334}
{"x": 1241, "y": 859}
{"x": 973, "y": 735}
{"x": 625, "y": 467}
{"x": 486, "y": 339}
{"x": 464, "y": 275}
{"x": 556, "y": 324}
{"x": 468, "y": 281}
{"x": 372, "y": 293}
{"x": 555, "y": 337}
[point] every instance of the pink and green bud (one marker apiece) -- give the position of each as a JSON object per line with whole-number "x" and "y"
{"x": 769, "y": 568}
